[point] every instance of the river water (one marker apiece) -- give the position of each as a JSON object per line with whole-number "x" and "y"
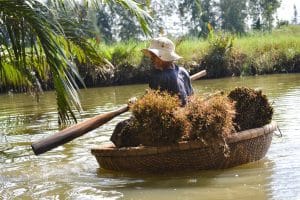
{"x": 71, "y": 172}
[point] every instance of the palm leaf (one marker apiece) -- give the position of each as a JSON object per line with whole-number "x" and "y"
{"x": 9, "y": 75}
{"x": 38, "y": 42}
{"x": 30, "y": 19}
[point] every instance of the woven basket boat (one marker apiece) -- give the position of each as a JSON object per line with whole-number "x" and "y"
{"x": 245, "y": 146}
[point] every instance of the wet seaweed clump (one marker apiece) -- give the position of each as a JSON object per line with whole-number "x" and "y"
{"x": 159, "y": 120}
{"x": 252, "y": 108}
{"x": 125, "y": 134}
{"x": 211, "y": 119}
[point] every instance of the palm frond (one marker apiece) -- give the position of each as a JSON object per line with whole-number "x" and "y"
{"x": 136, "y": 9}
{"x": 39, "y": 42}
{"x": 9, "y": 75}
{"x": 21, "y": 20}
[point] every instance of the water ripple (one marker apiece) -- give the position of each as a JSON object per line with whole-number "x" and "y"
{"x": 71, "y": 172}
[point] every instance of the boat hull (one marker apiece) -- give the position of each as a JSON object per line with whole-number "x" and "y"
{"x": 244, "y": 147}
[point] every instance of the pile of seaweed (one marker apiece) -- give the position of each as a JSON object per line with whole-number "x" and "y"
{"x": 159, "y": 120}
{"x": 210, "y": 119}
{"x": 252, "y": 108}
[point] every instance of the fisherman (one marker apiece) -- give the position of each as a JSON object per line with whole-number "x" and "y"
{"x": 165, "y": 76}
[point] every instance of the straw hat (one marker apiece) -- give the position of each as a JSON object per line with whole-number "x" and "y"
{"x": 163, "y": 48}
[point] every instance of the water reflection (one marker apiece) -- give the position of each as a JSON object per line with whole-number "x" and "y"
{"x": 71, "y": 172}
{"x": 242, "y": 182}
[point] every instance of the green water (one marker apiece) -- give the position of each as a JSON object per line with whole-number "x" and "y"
{"x": 71, "y": 172}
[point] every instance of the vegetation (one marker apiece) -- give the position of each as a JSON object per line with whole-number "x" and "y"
{"x": 159, "y": 119}
{"x": 41, "y": 43}
{"x": 222, "y": 54}
{"x": 127, "y": 134}
{"x": 216, "y": 61}
{"x": 211, "y": 119}
{"x": 64, "y": 44}
{"x": 192, "y": 18}
{"x": 252, "y": 108}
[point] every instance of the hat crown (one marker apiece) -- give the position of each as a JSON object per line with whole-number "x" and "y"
{"x": 162, "y": 43}
{"x": 163, "y": 48}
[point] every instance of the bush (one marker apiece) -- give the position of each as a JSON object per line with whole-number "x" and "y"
{"x": 159, "y": 119}
{"x": 217, "y": 59}
{"x": 252, "y": 108}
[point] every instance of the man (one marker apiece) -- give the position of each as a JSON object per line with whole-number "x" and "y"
{"x": 166, "y": 76}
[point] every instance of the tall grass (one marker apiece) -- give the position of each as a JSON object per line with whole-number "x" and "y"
{"x": 268, "y": 53}
{"x": 256, "y": 53}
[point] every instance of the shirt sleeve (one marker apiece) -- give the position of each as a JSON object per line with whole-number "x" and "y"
{"x": 184, "y": 75}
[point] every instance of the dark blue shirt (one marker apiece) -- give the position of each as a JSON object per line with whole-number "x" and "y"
{"x": 175, "y": 81}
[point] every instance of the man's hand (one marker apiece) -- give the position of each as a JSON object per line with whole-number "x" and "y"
{"x": 131, "y": 101}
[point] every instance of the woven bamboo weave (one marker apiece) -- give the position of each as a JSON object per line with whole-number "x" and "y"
{"x": 246, "y": 146}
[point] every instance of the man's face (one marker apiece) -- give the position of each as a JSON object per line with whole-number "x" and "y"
{"x": 158, "y": 63}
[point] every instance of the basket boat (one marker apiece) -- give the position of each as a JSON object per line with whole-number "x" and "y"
{"x": 245, "y": 146}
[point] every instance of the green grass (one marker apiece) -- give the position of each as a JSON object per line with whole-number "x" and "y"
{"x": 192, "y": 49}
{"x": 281, "y": 42}
{"x": 255, "y": 44}
{"x": 255, "y": 53}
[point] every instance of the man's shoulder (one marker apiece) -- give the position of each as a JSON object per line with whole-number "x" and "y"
{"x": 182, "y": 70}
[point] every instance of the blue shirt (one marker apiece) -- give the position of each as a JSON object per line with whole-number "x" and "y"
{"x": 174, "y": 80}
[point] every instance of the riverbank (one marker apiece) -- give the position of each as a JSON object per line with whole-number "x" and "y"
{"x": 221, "y": 55}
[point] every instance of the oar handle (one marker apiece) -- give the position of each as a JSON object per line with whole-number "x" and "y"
{"x": 198, "y": 75}
{"x": 75, "y": 131}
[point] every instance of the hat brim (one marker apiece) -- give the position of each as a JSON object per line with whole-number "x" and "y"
{"x": 161, "y": 54}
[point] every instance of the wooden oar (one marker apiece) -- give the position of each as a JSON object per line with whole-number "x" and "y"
{"x": 82, "y": 128}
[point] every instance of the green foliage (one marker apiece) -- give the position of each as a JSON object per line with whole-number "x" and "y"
{"x": 268, "y": 7}
{"x": 192, "y": 50}
{"x": 122, "y": 53}
{"x": 193, "y": 8}
{"x": 208, "y": 16}
{"x": 261, "y": 13}
{"x": 40, "y": 42}
{"x": 159, "y": 11}
{"x": 252, "y": 108}
{"x": 126, "y": 25}
{"x": 220, "y": 43}
{"x": 158, "y": 119}
{"x": 26, "y": 27}
{"x": 256, "y": 53}
{"x": 12, "y": 76}
{"x": 136, "y": 9}
{"x": 276, "y": 53}
{"x": 105, "y": 24}
{"x": 233, "y": 15}
{"x": 196, "y": 15}
{"x": 217, "y": 59}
